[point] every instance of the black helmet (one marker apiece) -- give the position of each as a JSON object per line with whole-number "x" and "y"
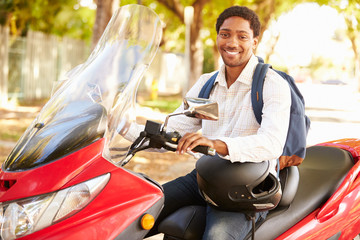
{"x": 239, "y": 187}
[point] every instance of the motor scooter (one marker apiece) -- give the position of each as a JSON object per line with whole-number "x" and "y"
{"x": 66, "y": 176}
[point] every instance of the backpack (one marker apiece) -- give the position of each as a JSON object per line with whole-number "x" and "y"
{"x": 295, "y": 146}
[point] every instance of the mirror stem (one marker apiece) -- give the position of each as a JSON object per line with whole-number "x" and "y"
{"x": 171, "y": 115}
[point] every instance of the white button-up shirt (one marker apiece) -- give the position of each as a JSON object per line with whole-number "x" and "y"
{"x": 246, "y": 140}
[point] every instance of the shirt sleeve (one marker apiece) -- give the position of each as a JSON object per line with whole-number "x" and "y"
{"x": 269, "y": 141}
{"x": 182, "y": 123}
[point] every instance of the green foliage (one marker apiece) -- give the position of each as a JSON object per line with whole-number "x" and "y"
{"x": 68, "y": 18}
{"x": 62, "y": 18}
{"x": 174, "y": 29}
{"x": 74, "y": 23}
{"x": 208, "y": 65}
{"x": 210, "y": 13}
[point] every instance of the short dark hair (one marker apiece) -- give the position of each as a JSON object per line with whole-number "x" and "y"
{"x": 243, "y": 12}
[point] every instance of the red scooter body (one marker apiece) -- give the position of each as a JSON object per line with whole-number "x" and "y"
{"x": 126, "y": 197}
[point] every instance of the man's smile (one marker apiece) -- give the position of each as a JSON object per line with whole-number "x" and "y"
{"x": 232, "y": 52}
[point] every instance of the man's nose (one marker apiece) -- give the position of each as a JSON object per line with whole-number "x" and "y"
{"x": 232, "y": 42}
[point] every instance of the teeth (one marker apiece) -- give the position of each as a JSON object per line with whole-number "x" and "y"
{"x": 232, "y": 53}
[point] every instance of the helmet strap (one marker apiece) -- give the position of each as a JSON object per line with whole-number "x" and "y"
{"x": 251, "y": 216}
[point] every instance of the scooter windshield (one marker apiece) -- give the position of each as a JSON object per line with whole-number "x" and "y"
{"x": 98, "y": 98}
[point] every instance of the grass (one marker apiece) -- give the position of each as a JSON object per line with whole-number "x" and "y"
{"x": 13, "y": 129}
{"x": 162, "y": 104}
{"x": 10, "y": 136}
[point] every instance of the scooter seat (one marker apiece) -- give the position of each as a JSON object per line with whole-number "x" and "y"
{"x": 321, "y": 173}
{"x": 319, "y": 176}
{"x": 188, "y": 223}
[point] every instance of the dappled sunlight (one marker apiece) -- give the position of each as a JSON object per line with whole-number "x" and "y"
{"x": 141, "y": 160}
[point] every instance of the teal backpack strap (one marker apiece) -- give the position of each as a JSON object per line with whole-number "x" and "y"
{"x": 206, "y": 89}
{"x": 257, "y": 89}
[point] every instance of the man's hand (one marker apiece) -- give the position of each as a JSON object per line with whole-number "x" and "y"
{"x": 191, "y": 140}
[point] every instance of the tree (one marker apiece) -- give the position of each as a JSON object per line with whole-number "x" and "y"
{"x": 205, "y": 15}
{"x": 62, "y": 18}
{"x": 172, "y": 14}
{"x": 196, "y": 45}
{"x": 104, "y": 12}
{"x": 203, "y": 32}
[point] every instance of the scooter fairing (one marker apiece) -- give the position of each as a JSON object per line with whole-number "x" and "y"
{"x": 60, "y": 182}
{"x": 98, "y": 98}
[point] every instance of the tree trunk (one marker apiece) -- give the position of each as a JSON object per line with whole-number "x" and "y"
{"x": 196, "y": 46}
{"x": 103, "y": 15}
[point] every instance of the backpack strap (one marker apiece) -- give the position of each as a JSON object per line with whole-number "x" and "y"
{"x": 257, "y": 89}
{"x": 206, "y": 89}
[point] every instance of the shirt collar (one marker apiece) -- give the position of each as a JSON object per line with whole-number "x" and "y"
{"x": 245, "y": 76}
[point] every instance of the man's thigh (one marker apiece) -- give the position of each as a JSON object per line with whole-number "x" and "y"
{"x": 182, "y": 191}
{"x": 228, "y": 225}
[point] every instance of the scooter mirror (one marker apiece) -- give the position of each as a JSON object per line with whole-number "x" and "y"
{"x": 197, "y": 107}
{"x": 201, "y": 108}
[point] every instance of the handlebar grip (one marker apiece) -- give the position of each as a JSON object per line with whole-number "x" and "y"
{"x": 204, "y": 149}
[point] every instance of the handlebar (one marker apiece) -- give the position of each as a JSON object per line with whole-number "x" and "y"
{"x": 200, "y": 149}
{"x": 168, "y": 140}
{"x": 204, "y": 150}
{"x": 157, "y": 138}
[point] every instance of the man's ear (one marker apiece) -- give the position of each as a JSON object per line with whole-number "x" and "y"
{"x": 255, "y": 42}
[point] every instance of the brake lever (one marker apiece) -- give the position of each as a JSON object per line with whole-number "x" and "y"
{"x": 135, "y": 147}
{"x": 132, "y": 153}
{"x": 139, "y": 140}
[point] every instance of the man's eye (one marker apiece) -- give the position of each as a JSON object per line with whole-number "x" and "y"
{"x": 244, "y": 38}
{"x": 224, "y": 35}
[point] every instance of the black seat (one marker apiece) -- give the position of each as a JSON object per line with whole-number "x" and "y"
{"x": 320, "y": 174}
{"x": 189, "y": 222}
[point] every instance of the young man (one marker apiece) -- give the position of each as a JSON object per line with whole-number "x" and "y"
{"x": 236, "y": 136}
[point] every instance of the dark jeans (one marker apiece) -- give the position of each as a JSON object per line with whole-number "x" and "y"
{"x": 183, "y": 191}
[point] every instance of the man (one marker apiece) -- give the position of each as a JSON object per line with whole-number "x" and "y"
{"x": 236, "y": 136}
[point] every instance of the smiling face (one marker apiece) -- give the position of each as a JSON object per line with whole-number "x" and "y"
{"x": 235, "y": 42}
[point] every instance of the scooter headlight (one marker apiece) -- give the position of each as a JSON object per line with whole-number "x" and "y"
{"x": 29, "y": 215}
{"x": 19, "y": 217}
